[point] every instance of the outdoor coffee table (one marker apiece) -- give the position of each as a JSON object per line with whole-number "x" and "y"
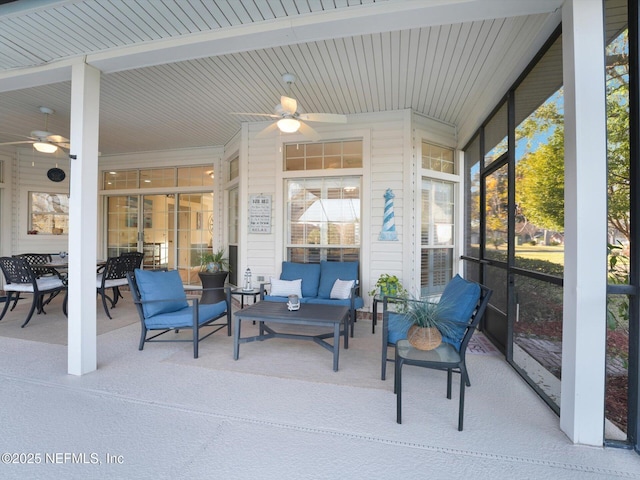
{"x": 309, "y": 314}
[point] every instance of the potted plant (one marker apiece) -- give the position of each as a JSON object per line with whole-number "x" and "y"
{"x": 429, "y": 324}
{"x": 214, "y": 261}
{"x": 214, "y": 268}
{"x": 389, "y": 286}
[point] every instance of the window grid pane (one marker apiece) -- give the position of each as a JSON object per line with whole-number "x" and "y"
{"x": 198, "y": 176}
{"x": 158, "y": 177}
{"x": 323, "y": 156}
{"x": 234, "y": 168}
{"x": 323, "y": 218}
{"x": 120, "y": 179}
{"x": 439, "y": 159}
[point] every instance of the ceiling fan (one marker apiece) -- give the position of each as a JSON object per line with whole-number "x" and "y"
{"x": 42, "y": 140}
{"x": 290, "y": 120}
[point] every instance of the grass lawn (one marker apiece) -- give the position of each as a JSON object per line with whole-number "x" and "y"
{"x": 553, "y": 254}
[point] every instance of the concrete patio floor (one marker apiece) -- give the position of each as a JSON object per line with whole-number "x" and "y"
{"x": 278, "y": 412}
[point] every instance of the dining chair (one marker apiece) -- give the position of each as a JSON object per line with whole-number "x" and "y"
{"x": 20, "y": 278}
{"x": 449, "y": 355}
{"x": 113, "y": 276}
{"x": 40, "y": 264}
{"x": 133, "y": 260}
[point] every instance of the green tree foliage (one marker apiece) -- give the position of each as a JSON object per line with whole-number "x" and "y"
{"x": 540, "y": 175}
{"x": 618, "y": 186}
{"x": 497, "y": 208}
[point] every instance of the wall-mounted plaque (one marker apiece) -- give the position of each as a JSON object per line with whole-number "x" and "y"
{"x": 260, "y": 214}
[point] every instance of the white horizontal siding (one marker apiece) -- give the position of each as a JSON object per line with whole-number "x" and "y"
{"x": 388, "y": 170}
{"x": 30, "y": 175}
{"x": 262, "y": 162}
{"x": 389, "y": 162}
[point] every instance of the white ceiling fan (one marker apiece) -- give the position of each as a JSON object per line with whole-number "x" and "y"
{"x": 290, "y": 120}
{"x": 42, "y": 140}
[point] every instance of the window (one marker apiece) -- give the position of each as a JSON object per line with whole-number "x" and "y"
{"x": 196, "y": 176}
{"x": 49, "y": 213}
{"x": 323, "y": 219}
{"x": 437, "y": 234}
{"x": 323, "y": 155}
{"x": 438, "y": 159}
{"x": 234, "y": 168}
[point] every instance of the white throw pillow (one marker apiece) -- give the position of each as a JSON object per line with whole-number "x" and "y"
{"x": 341, "y": 289}
{"x": 284, "y": 288}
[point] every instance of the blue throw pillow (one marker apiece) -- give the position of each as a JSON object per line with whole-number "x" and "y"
{"x": 160, "y": 286}
{"x": 458, "y": 301}
{"x": 399, "y": 325}
{"x": 332, "y": 271}
{"x": 308, "y": 272}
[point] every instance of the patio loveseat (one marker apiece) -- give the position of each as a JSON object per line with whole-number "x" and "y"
{"x": 326, "y": 283}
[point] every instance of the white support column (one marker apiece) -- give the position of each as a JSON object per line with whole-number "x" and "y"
{"x": 83, "y": 224}
{"x": 585, "y": 216}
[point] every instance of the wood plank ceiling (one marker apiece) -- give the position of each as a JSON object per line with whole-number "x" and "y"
{"x": 448, "y": 71}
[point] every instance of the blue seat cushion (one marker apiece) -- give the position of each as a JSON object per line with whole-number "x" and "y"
{"x": 308, "y": 272}
{"x": 160, "y": 286}
{"x": 275, "y": 298}
{"x": 398, "y": 327}
{"x": 183, "y": 318}
{"x": 458, "y": 302}
{"x": 358, "y": 302}
{"x": 332, "y": 271}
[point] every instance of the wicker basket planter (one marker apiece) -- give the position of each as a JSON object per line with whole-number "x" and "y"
{"x": 424, "y": 338}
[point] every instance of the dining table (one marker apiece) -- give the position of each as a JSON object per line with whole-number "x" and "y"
{"x": 59, "y": 266}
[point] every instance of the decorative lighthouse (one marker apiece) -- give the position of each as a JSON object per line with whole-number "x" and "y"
{"x": 388, "y": 223}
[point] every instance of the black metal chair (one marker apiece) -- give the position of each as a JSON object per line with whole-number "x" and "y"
{"x": 38, "y": 262}
{"x": 133, "y": 260}
{"x": 113, "y": 276}
{"x": 20, "y": 278}
{"x": 447, "y": 357}
{"x": 40, "y": 265}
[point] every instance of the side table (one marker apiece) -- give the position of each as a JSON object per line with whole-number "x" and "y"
{"x": 376, "y": 300}
{"x": 254, "y": 292}
{"x": 211, "y": 280}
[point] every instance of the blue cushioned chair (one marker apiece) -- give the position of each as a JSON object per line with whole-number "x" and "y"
{"x": 461, "y": 298}
{"x": 449, "y": 355}
{"x": 163, "y": 306}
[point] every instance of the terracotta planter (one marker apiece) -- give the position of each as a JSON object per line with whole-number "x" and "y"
{"x": 424, "y": 338}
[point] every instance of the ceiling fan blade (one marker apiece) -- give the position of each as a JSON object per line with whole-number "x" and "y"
{"x": 16, "y": 143}
{"x": 289, "y": 105}
{"x": 266, "y": 131}
{"x": 323, "y": 117}
{"x": 270, "y": 115}
{"x": 17, "y": 135}
{"x": 309, "y": 132}
{"x": 57, "y": 139}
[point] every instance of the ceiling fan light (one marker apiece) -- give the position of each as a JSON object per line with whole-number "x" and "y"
{"x": 288, "y": 125}
{"x": 45, "y": 147}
